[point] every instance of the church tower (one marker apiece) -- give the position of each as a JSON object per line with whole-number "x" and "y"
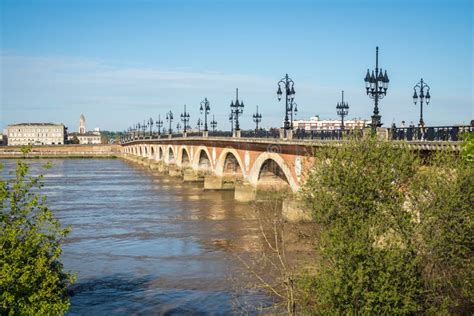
{"x": 82, "y": 124}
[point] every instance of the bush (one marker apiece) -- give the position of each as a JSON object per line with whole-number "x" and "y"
{"x": 32, "y": 280}
{"x": 396, "y": 234}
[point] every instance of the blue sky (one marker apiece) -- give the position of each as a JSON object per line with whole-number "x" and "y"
{"x": 120, "y": 62}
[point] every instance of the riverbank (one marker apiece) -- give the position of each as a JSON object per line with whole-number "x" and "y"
{"x": 62, "y": 151}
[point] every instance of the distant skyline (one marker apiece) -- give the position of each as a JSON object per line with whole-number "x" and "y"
{"x": 120, "y": 62}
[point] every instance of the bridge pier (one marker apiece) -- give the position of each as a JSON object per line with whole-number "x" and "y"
{"x": 245, "y": 192}
{"x": 189, "y": 175}
{"x": 212, "y": 182}
{"x": 174, "y": 171}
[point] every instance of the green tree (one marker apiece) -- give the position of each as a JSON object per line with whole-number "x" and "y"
{"x": 32, "y": 280}
{"x": 369, "y": 263}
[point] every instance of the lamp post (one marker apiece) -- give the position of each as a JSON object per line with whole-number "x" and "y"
{"x": 288, "y": 84}
{"x": 231, "y": 120}
{"x": 342, "y": 109}
{"x": 199, "y": 124}
{"x": 236, "y": 109}
{"x": 421, "y": 86}
{"x": 257, "y": 118}
{"x": 185, "y": 119}
{"x": 159, "y": 125}
{"x": 169, "y": 118}
{"x": 205, "y": 107}
{"x": 213, "y": 124}
{"x": 178, "y": 127}
{"x": 150, "y": 122}
{"x": 376, "y": 85}
{"x": 144, "y": 126}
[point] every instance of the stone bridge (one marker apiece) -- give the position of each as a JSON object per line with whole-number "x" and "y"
{"x": 243, "y": 164}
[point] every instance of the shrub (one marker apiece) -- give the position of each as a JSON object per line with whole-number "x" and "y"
{"x": 32, "y": 280}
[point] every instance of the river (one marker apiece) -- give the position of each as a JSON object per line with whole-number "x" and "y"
{"x": 143, "y": 243}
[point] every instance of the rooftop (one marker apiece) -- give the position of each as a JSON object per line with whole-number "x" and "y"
{"x": 36, "y": 124}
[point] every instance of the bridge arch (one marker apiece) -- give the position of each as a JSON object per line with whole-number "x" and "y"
{"x": 229, "y": 162}
{"x": 160, "y": 152}
{"x": 140, "y": 150}
{"x": 152, "y": 152}
{"x": 171, "y": 157}
{"x": 146, "y": 150}
{"x": 202, "y": 159}
{"x": 184, "y": 157}
{"x": 267, "y": 161}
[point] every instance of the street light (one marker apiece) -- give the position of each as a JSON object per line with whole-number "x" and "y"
{"x": 144, "y": 129}
{"x": 185, "y": 119}
{"x": 257, "y": 118}
{"x": 213, "y": 124}
{"x": 159, "y": 125}
{"x": 199, "y": 124}
{"x": 422, "y": 96}
{"x": 169, "y": 118}
{"x": 178, "y": 127}
{"x": 342, "y": 109}
{"x": 205, "y": 107}
{"x": 236, "y": 109}
{"x": 150, "y": 123}
{"x": 288, "y": 84}
{"x": 231, "y": 120}
{"x": 376, "y": 85}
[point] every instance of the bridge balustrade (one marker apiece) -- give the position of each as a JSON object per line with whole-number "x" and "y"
{"x": 336, "y": 134}
{"x": 435, "y": 133}
{"x": 261, "y": 133}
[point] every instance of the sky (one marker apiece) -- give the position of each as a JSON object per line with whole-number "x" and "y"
{"x": 121, "y": 62}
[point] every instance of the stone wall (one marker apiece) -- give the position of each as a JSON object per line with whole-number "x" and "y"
{"x": 60, "y": 151}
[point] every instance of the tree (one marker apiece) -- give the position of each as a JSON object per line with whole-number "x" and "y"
{"x": 75, "y": 140}
{"x": 369, "y": 262}
{"x": 32, "y": 280}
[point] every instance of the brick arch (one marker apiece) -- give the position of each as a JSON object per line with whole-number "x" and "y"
{"x": 197, "y": 155}
{"x": 184, "y": 150}
{"x": 219, "y": 168}
{"x": 161, "y": 153}
{"x": 170, "y": 150}
{"x": 254, "y": 173}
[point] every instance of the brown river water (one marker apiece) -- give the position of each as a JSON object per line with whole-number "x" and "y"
{"x": 149, "y": 244}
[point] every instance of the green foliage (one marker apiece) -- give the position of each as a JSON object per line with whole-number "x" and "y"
{"x": 444, "y": 196}
{"x": 396, "y": 235}
{"x": 468, "y": 147}
{"x": 75, "y": 140}
{"x": 369, "y": 262}
{"x": 32, "y": 280}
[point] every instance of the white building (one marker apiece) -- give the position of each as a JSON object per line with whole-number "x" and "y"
{"x": 315, "y": 123}
{"x": 35, "y": 134}
{"x": 84, "y": 137}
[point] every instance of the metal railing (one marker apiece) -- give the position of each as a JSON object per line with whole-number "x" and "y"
{"x": 335, "y": 134}
{"x": 261, "y": 133}
{"x": 220, "y": 134}
{"x": 437, "y": 133}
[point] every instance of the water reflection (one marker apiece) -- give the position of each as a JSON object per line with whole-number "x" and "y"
{"x": 147, "y": 244}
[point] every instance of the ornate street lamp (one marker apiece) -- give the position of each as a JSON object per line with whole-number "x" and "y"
{"x": 150, "y": 123}
{"x": 144, "y": 126}
{"x": 213, "y": 124}
{"x": 199, "y": 124}
{"x": 236, "y": 109}
{"x": 231, "y": 120}
{"x": 257, "y": 118}
{"x": 289, "y": 86}
{"x": 421, "y": 86}
{"x": 342, "y": 109}
{"x": 169, "y": 118}
{"x": 205, "y": 107}
{"x": 185, "y": 119}
{"x": 159, "y": 125}
{"x": 376, "y": 85}
{"x": 178, "y": 127}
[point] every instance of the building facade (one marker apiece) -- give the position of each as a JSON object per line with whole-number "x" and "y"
{"x": 36, "y": 134}
{"x": 84, "y": 137}
{"x": 315, "y": 123}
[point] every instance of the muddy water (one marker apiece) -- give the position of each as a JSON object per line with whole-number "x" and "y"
{"x": 148, "y": 244}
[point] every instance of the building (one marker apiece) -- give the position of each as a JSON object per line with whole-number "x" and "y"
{"x": 35, "y": 134}
{"x": 84, "y": 137}
{"x": 3, "y": 140}
{"x": 315, "y": 123}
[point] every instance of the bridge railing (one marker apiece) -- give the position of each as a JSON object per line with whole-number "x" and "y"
{"x": 220, "y": 134}
{"x": 260, "y": 133}
{"x": 435, "y": 133}
{"x": 336, "y": 134}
